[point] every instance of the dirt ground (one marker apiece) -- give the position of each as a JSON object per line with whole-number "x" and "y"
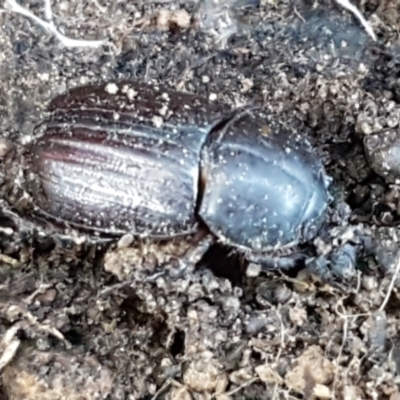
{"x": 79, "y": 322}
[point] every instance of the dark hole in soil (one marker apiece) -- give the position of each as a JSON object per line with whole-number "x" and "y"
{"x": 6, "y": 222}
{"x": 178, "y": 344}
{"x": 133, "y": 307}
{"x": 256, "y": 356}
{"x": 74, "y": 336}
{"x": 224, "y": 263}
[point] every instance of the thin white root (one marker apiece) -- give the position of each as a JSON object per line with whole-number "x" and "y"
{"x": 13, "y": 6}
{"x": 352, "y": 8}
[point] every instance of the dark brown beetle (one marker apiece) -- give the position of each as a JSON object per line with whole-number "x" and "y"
{"x": 131, "y": 157}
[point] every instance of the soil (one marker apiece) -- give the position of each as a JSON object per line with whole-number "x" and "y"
{"x": 83, "y": 322}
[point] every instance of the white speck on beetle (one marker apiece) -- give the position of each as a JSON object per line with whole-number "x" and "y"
{"x": 111, "y": 88}
{"x": 131, "y": 94}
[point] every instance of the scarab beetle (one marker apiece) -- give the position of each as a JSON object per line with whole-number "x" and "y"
{"x": 132, "y": 157}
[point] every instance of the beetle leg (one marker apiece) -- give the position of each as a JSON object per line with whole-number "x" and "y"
{"x": 270, "y": 261}
{"x": 192, "y": 256}
{"x": 187, "y": 261}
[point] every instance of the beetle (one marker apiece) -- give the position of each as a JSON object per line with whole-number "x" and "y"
{"x": 136, "y": 158}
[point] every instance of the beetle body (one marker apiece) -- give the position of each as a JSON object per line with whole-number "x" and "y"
{"x": 262, "y": 192}
{"x": 142, "y": 159}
